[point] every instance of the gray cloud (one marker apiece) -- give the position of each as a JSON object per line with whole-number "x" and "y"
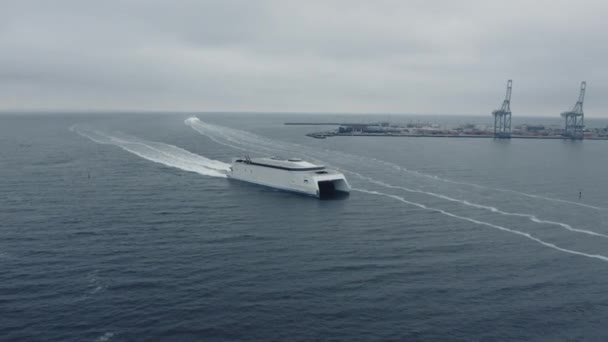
{"x": 435, "y": 56}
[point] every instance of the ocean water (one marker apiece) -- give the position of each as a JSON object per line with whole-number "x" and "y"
{"x": 123, "y": 227}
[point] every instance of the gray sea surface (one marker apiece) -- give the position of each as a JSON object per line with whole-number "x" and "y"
{"x": 123, "y": 227}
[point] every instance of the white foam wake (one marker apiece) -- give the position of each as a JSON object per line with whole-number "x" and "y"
{"x": 445, "y": 180}
{"x": 509, "y": 230}
{"x": 236, "y": 139}
{"x": 157, "y": 152}
{"x": 531, "y": 217}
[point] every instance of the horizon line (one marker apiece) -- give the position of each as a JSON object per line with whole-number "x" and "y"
{"x": 131, "y": 111}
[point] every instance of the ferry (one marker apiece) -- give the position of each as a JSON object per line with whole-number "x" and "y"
{"x": 292, "y": 174}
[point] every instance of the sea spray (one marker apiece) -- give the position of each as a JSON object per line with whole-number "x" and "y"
{"x": 157, "y": 152}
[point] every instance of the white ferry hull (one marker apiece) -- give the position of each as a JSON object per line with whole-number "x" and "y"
{"x": 316, "y": 183}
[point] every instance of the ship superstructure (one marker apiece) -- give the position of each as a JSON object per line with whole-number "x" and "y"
{"x": 293, "y": 174}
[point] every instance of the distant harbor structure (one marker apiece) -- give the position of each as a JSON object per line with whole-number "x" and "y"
{"x": 502, "y": 116}
{"x": 574, "y": 126}
{"x": 575, "y": 118}
{"x": 436, "y": 130}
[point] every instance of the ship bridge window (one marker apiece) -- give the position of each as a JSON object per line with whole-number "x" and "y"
{"x": 321, "y": 172}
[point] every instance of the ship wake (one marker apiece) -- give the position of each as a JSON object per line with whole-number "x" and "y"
{"x": 487, "y": 224}
{"x": 247, "y": 141}
{"x": 252, "y": 143}
{"x": 157, "y": 152}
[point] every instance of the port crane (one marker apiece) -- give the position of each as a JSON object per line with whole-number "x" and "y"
{"x": 575, "y": 118}
{"x": 502, "y": 116}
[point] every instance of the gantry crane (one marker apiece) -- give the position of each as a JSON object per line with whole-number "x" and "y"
{"x": 575, "y": 119}
{"x": 502, "y": 116}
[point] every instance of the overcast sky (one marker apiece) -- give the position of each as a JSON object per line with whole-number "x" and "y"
{"x": 422, "y": 56}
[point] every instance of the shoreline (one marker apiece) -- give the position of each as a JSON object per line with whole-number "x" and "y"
{"x": 485, "y": 136}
